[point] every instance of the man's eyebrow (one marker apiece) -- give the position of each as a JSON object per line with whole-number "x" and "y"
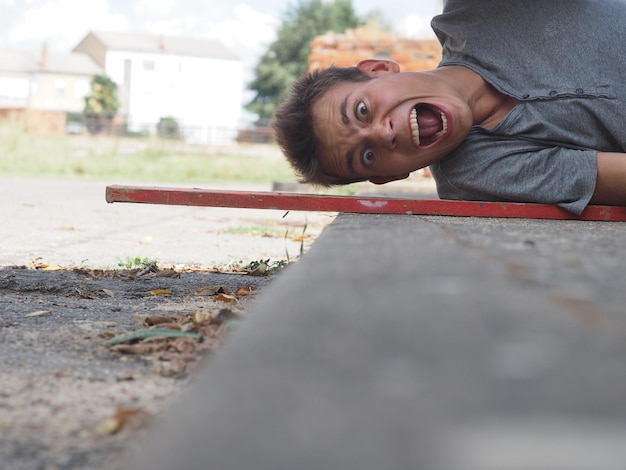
{"x": 343, "y": 108}
{"x": 344, "y": 111}
{"x": 350, "y": 159}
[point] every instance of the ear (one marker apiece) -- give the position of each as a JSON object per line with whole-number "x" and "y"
{"x": 377, "y": 67}
{"x": 387, "y": 179}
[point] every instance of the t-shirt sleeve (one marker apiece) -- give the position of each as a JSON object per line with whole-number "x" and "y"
{"x": 518, "y": 172}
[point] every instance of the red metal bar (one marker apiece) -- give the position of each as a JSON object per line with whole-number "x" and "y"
{"x": 354, "y": 204}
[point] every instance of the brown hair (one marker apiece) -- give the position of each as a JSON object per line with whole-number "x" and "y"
{"x": 293, "y": 122}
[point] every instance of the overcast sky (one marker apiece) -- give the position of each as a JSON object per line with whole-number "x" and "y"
{"x": 247, "y": 27}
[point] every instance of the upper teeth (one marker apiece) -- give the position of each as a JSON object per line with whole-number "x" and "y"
{"x": 415, "y": 127}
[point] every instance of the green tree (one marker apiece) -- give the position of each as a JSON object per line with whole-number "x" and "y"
{"x": 287, "y": 57}
{"x": 103, "y": 97}
{"x": 101, "y": 105}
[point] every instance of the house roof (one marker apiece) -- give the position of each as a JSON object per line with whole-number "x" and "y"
{"x": 17, "y": 61}
{"x": 74, "y": 63}
{"x": 174, "y": 45}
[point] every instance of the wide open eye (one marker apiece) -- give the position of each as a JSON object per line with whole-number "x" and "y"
{"x": 367, "y": 157}
{"x": 361, "y": 111}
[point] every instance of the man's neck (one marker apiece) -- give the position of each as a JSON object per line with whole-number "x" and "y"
{"x": 488, "y": 105}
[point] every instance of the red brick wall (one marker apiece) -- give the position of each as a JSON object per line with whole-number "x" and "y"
{"x": 366, "y": 42}
{"x": 35, "y": 121}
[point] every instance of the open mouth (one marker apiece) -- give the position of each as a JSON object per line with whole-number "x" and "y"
{"x": 428, "y": 125}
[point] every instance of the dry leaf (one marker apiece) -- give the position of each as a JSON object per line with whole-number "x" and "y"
{"x": 207, "y": 290}
{"x": 52, "y": 267}
{"x": 90, "y": 296}
{"x": 156, "y": 320}
{"x": 183, "y": 345}
{"x": 226, "y": 290}
{"x": 168, "y": 273}
{"x": 38, "y": 264}
{"x": 226, "y": 298}
{"x": 109, "y": 292}
{"x": 108, "y": 427}
{"x": 37, "y": 313}
{"x": 201, "y": 316}
{"x": 243, "y": 291}
{"x": 122, "y": 418}
{"x": 172, "y": 368}
{"x": 160, "y": 291}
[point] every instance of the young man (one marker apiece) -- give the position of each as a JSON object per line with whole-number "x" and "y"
{"x": 528, "y": 104}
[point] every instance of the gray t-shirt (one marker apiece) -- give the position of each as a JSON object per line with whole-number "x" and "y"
{"x": 564, "y": 60}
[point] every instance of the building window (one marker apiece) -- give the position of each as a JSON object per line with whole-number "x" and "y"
{"x": 15, "y": 87}
{"x": 81, "y": 88}
{"x": 148, "y": 65}
{"x": 60, "y": 86}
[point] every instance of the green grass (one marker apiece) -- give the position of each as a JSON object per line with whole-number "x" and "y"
{"x": 258, "y": 267}
{"x": 137, "y": 159}
{"x": 136, "y": 262}
{"x": 257, "y": 231}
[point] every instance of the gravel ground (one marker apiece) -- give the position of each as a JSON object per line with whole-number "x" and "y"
{"x": 68, "y": 400}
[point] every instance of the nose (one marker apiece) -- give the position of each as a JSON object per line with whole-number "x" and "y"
{"x": 384, "y": 133}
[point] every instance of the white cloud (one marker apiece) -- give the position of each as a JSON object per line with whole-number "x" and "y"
{"x": 245, "y": 30}
{"x": 64, "y": 22}
{"x": 248, "y": 28}
{"x": 249, "y": 33}
{"x": 190, "y": 22}
{"x": 159, "y": 7}
{"x": 172, "y": 27}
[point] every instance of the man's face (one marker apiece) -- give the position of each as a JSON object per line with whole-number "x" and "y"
{"x": 384, "y": 128}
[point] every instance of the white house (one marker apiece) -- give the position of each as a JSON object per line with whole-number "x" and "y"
{"x": 198, "y": 82}
{"x": 45, "y": 81}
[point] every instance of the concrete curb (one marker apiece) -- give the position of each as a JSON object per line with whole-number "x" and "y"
{"x": 412, "y": 342}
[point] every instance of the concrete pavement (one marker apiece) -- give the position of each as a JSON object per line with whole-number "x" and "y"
{"x": 408, "y": 342}
{"x": 69, "y": 223}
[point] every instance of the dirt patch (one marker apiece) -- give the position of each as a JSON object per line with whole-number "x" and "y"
{"x": 69, "y": 398}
